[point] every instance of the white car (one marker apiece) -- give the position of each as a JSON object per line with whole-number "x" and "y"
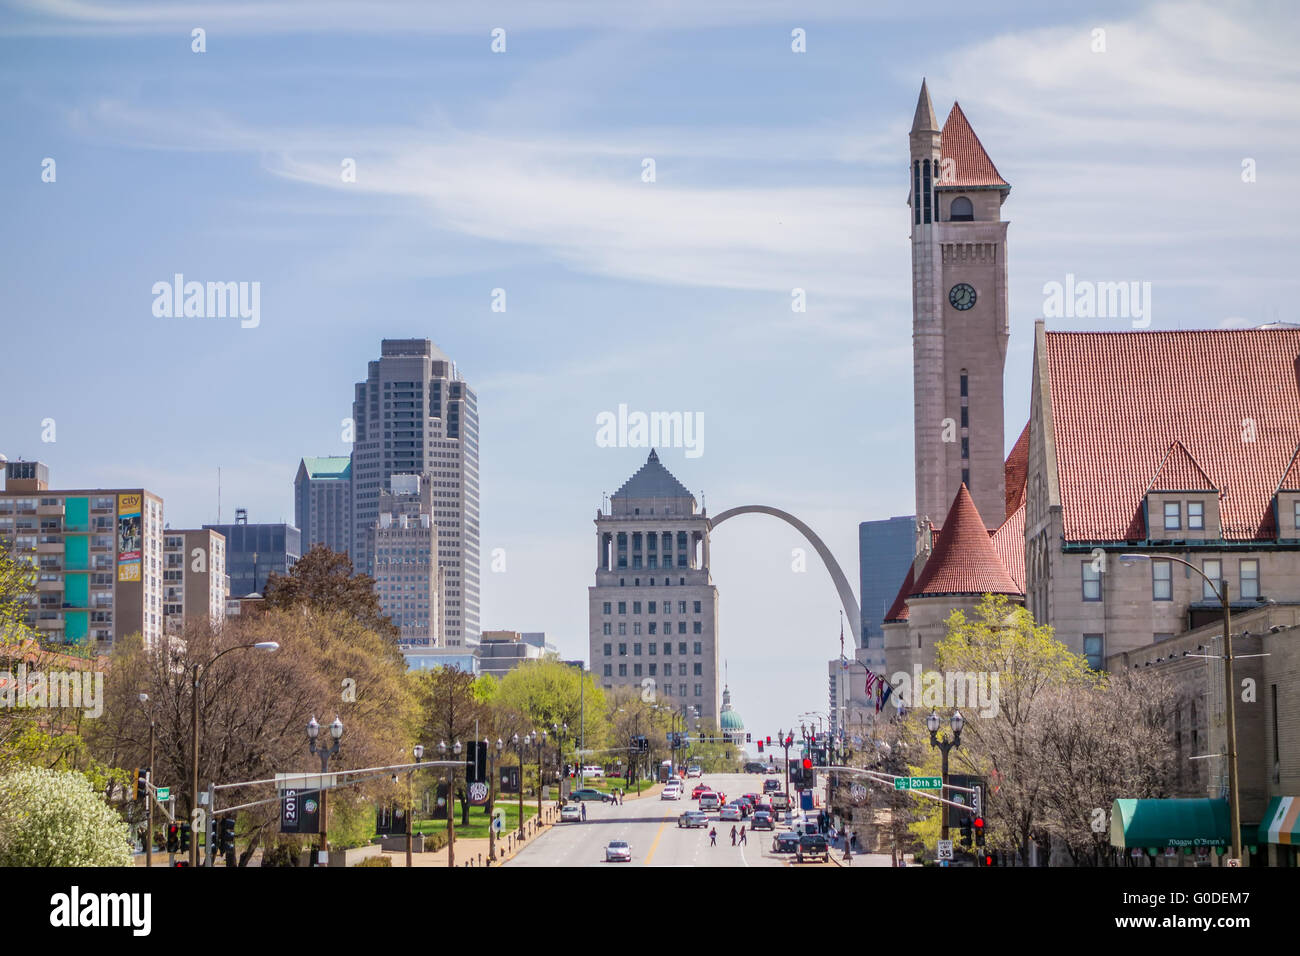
{"x": 729, "y": 812}
{"x": 708, "y": 801}
{"x": 571, "y": 813}
{"x": 671, "y": 793}
{"x": 618, "y": 852}
{"x": 694, "y": 772}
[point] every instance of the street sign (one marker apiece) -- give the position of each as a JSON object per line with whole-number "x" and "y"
{"x": 857, "y": 793}
{"x": 164, "y": 793}
{"x": 478, "y": 793}
{"x": 918, "y": 783}
{"x": 945, "y": 850}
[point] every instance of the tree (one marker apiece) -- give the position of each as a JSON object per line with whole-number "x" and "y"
{"x": 452, "y": 712}
{"x": 541, "y": 693}
{"x": 55, "y": 818}
{"x": 324, "y": 579}
{"x": 1004, "y": 642}
{"x": 17, "y": 583}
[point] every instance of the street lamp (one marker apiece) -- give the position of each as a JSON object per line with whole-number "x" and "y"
{"x": 519, "y": 750}
{"x": 540, "y": 740}
{"x": 492, "y": 784}
{"x": 1221, "y": 592}
{"x": 197, "y": 673}
{"x": 148, "y": 790}
{"x": 418, "y": 751}
{"x": 956, "y": 722}
{"x": 451, "y": 802}
{"x": 325, "y": 753}
{"x": 559, "y": 731}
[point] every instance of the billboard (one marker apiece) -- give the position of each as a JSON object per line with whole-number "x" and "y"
{"x": 300, "y": 811}
{"x": 129, "y": 537}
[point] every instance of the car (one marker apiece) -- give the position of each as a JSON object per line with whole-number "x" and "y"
{"x": 785, "y": 842}
{"x": 765, "y": 806}
{"x": 571, "y": 813}
{"x": 754, "y": 767}
{"x": 617, "y": 851}
{"x": 771, "y": 786}
{"x": 751, "y": 797}
{"x": 592, "y": 771}
{"x": 589, "y": 794}
{"x": 730, "y": 812}
{"x": 762, "y": 821}
{"x": 700, "y": 789}
{"x": 671, "y": 793}
{"x": 746, "y": 805}
{"x": 780, "y": 801}
{"x": 812, "y": 846}
{"x": 694, "y": 772}
{"x": 692, "y": 818}
{"x": 709, "y": 801}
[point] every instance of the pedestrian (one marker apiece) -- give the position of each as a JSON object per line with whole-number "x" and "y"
{"x": 713, "y": 837}
{"x": 743, "y": 841}
{"x": 584, "y": 810}
{"x": 733, "y": 834}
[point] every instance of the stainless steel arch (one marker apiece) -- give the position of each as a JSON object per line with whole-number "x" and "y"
{"x": 847, "y": 598}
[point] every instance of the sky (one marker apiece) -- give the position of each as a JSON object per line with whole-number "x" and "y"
{"x": 1156, "y": 150}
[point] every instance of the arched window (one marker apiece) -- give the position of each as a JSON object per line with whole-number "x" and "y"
{"x": 962, "y": 210}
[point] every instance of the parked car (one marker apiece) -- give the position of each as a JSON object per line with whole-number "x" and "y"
{"x": 618, "y": 852}
{"x": 812, "y": 846}
{"x": 571, "y": 813}
{"x": 785, "y": 842}
{"x": 771, "y": 786}
{"x": 730, "y": 812}
{"x": 692, "y": 818}
{"x": 700, "y": 789}
{"x": 589, "y": 794}
{"x": 762, "y": 821}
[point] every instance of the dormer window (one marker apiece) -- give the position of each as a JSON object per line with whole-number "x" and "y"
{"x": 962, "y": 210}
{"x": 1195, "y": 516}
{"x": 1173, "y": 516}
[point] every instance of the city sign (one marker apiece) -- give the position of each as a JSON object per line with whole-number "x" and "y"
{"x": 918, "y": 783}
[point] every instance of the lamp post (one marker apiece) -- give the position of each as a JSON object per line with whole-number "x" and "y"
{"x": 451, "y": 802}
{"x": 519, "y": 750}
{"x": 325, "y": 753}
{"x": 540, "y": 740}
{"x": 559, "y": 731}
{"x": 148, "y": 791}
{"x": 1229, "y": 697}
{"x": 492, "y": 785}
{"x": 418, "y": 751}
{"x": 956, "y": 722}
{"x": 197, "y": 673}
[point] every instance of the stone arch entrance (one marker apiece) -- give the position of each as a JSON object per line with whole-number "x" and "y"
{"x": 847, "y": 598}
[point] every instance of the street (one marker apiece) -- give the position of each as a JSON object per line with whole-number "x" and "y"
{"x": 649, "y": 825}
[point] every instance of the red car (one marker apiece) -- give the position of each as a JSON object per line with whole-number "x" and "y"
{"x": 699, "y": 789}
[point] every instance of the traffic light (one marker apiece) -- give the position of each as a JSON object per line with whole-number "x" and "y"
{"x": 807, "y": 763}
{"x": 979, "y": 831}
{"x": 769, "y": 740}
{"x": 185, "y": 838}
{"x": 985, "y": 859}
{"x": 965, "y": 833}
{"x": 760, "y": 746}
{"x": 227, "y": 837}
{"x": 141, "y": 783}
{"x": 173, "y": 837}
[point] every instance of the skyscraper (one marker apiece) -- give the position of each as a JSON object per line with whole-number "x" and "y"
{"x": 403, "y": 550}
{"x": 415, "y": 415}
{"x": 654, "y": 608}
{"x": 322, "y": 501}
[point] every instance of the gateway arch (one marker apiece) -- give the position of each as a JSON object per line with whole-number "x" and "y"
{"x": 847, "y": 598}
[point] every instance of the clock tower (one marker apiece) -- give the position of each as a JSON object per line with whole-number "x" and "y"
{"x": 960, "y": 321}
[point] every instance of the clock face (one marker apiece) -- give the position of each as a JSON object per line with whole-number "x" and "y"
{"x": 961, "y": 296}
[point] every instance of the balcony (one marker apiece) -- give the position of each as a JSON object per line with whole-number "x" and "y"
{"x": 52, "y": 623}
{"x": 50, "y": 510}
{"x": 49, "y": 546}
{"x": 50, "y": 585}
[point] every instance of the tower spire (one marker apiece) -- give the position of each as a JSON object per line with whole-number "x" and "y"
{"x": 924, "y": 120}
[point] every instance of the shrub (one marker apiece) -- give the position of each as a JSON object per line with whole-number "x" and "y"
{"x": 376, "y": 861}
{"x": 55, "y": 818}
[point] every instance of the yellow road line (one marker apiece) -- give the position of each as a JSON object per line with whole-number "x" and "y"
{"x": 653, "y": 846}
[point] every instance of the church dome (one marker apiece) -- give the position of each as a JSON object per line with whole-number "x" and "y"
{"x": 730, "y": 720}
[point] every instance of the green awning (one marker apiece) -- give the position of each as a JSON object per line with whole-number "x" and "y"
{"x": 1155, "y": 824}
{"x": 1281, "y": 823}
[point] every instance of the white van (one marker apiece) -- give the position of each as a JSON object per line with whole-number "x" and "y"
{"x": 592, "y": 772}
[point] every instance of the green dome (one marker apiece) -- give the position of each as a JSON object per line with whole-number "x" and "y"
{"x": 731, "y": 721}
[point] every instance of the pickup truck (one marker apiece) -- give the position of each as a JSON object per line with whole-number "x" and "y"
{"x": 812, "y": 846}
{"x": 780, "y": 801}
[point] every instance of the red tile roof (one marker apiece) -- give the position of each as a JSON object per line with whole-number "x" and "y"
{"x": 898, "y": 610}
{"x": 964, "y": 561}
{"x": 1121, "y": 399}
{"x": 1009, "y": 543}
{"x": 971, "y": 165}
{"x": 1016, "y": 472}
{"x": 1180, "y": 472}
